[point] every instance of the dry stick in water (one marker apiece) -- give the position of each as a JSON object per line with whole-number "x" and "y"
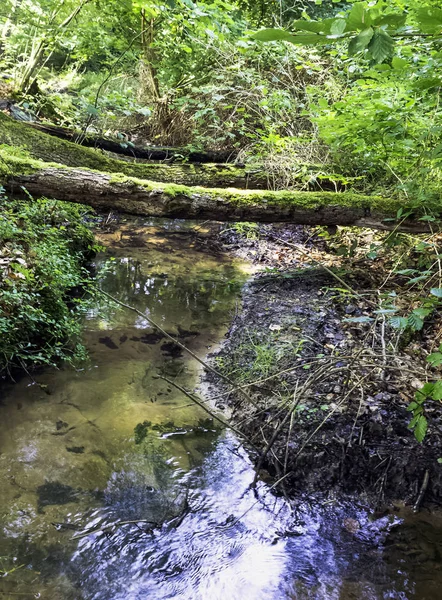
{"x": 178, "y": 343}
{"x": 422, "y": 491}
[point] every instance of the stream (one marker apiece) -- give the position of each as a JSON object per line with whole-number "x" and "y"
{"x": 115, "y": 486}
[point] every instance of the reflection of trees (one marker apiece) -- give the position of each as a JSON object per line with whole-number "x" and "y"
{"x": 203, "y": 297}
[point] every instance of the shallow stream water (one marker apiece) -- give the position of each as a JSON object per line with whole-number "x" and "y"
{"x": 114, "y": 486}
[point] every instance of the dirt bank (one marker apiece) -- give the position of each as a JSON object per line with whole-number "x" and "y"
{"x": 330, "y": 401}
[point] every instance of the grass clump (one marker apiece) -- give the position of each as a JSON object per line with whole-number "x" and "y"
{"x": 44, "y": 284}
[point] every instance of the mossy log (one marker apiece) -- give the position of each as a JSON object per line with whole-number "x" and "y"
{"x": 42, "y": 146}
{"x": 146, "y": 153}
{"x": 107, "y": 191}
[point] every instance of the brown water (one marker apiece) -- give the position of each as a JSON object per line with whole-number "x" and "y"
{"x": 74, "y": 460}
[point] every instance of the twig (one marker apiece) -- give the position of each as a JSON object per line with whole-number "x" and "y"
{"x": 329, "y": 271}
{"x": 110, "y": 526}
{"x": 422, "y": 491}
{"x": 202, "y": 405}
{"x": 327, "y": 417}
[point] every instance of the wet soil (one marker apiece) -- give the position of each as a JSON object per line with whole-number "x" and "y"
{"x": 348, "y": 434}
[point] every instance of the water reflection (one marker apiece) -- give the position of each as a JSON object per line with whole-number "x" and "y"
{"x": 164, "y": 494}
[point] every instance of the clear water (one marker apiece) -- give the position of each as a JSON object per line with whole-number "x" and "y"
{"x": 168, "y": 505}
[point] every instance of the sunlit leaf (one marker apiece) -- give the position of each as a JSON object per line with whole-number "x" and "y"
{"x": 430, "y": 19}
{"x": 435, "y": 359}
{"x": 437, "y": 390}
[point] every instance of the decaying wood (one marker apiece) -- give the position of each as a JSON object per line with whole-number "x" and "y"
{"x": 145, "y": 152}
{"x": 33, "y": 138}
{"x": 105, "y": 192}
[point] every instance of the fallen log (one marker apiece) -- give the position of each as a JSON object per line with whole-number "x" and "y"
{"x": 106, "y": 191}
{"x": 146, "y": 152}
{"x": 41, "y": 146}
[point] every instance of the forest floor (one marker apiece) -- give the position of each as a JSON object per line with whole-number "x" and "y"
{"x": 327, "y": 397}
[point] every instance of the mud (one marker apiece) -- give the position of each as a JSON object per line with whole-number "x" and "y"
{"x": 344, "y": 439}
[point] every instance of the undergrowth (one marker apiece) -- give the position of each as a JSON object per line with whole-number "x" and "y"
{"x": 44, "y": 284}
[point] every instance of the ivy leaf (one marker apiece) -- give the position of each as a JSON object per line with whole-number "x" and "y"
{"x": 420, "y": 429}
{"x": 381, "y": 46}
{"x": 436, "y": 292}
{"x": 361, "y": 41}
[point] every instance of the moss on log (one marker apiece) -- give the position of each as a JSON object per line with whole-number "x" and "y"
{"x": 48, "y": 148}
{"x": 108, "y": 191}
{"x": 44, "y": 147}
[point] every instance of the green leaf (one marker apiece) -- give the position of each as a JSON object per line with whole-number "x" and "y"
{"x": 359, "y": 17}
{"x": 439, "y": 460}
{"x": 359, "y": 320}
{"x": 381, "y": 46}
{"x": 407, "y": 271}
{"x": 413, "y": 422}
{"x": 437, "y": 390}
{"x": 91, "y": 110}
{"x": 306, "y": 39}
{"x": 361, "y": 41}
{"x": 338, "y": 26}
{"x": 415, "y": 322}
{"x": 393, "y": 20}
{"x": 400, "y": 323}
{"x": 272, "y": 35}
{"x": 426, "y": 83}
{"x": 435, "y": 359}
{"x": 398, "y": 63}
{"x": 430, "y": 19}
{"x": 323, "y": 26}
{"x": 436, "y": 292}
{"x": 422, "y": 312}
{"x": 420, "y": 429}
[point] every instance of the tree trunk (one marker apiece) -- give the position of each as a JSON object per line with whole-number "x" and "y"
{"x": 39, "y": 47}
{"x": 106, "y": 192}
{"x": 149, "y": 85}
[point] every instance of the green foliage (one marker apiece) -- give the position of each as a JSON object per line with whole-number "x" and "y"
{"x": 43, "y": 283}
{"x": 367, "y": 27}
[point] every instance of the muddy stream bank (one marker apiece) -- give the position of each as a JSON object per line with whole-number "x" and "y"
{"x": 116, "y": 486}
